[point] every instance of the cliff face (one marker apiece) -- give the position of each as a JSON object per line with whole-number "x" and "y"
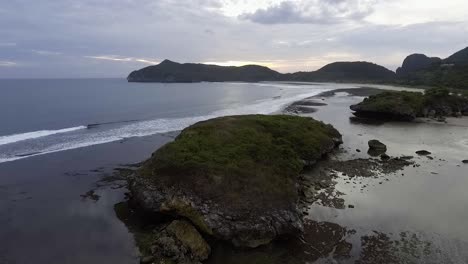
{"x": 417, "y": 62}
{"x": 451, "y": 72}
{"x": 459, "y": 58}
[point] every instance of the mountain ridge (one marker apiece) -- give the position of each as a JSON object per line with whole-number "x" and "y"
{"x": 421, "y": 70}
{"x": 417, "y": 69}
{"x": 168, "y": 71}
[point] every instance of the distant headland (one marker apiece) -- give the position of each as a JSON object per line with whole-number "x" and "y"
{"x": 417, "y": 70}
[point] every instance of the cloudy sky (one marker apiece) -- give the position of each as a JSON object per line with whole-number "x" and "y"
{"x": 109, "y": 38}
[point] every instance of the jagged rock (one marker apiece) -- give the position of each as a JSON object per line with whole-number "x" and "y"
{"x": 180, "y": 242}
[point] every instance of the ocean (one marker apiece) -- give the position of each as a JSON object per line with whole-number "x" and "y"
{"x": 62, "y": 139}
{"x": 45, "y": 116}
{"x": 59, "y": 139}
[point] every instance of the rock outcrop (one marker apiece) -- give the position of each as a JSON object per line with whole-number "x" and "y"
{"x": 421, "y": 70}
{"x": 180, "y": 242}
{"x": 416, "y": 62}
{"x": 235, "y": 178}
{"x": 406, "y": 106}
{"x": 376, "y": 148}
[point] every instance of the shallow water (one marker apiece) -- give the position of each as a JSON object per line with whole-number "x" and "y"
{"x": 45, "y": 116}
{"x": 43, "y": 216}
{"x": 428, "y": 202}
{"x": 45, "y": 219}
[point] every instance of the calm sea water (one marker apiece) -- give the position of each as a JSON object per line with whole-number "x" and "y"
{"x": 44, "y": 217}
{"x": 52, "y": 152}
{"x": 44, "y": 116}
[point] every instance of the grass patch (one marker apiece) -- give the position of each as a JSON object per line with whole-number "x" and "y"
{"x": 244, "y": 162}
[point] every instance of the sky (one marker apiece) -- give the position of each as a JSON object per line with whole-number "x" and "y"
{"x": 110, "y": 38}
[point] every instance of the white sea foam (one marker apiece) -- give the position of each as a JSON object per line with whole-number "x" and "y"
{"x": 59, "y": 140}
{"x": 36, "y": 134}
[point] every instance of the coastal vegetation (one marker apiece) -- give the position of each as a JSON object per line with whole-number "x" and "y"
{"x": 406, "y": 106}
{"x": 235, "y": 178}
{"x": 361, "y": 71}
{"x": 170, "y": 72}
{"x": 416, "y": 70}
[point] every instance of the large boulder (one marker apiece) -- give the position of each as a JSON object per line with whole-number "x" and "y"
{"x": 235, "y": 178}
{"x": 376, "y": 148}
{"x": 180, "y": 242}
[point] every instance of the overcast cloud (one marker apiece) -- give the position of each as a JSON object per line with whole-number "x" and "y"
{"x": 110, "y": 38}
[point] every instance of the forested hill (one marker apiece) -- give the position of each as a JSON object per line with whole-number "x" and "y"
{"x": 169, "y": 71}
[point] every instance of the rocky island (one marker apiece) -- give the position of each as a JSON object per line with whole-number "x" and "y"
{"x": 407, "y": 106}
{"x": 232, "y": 179}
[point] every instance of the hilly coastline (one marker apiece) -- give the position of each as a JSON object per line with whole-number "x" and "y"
{"x": 169, "y": 71}
{"x": 420, "y": 70}
{"x": 416, "y": 70}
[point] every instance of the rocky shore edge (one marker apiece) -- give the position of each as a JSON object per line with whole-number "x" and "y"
{"x": 233, "y": 179}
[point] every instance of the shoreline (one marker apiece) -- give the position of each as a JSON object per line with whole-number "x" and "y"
{"x": 346, "y": 171}
{"x": 87, "y": 184}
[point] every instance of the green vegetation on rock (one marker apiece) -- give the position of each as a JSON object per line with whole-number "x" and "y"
{"x": 391, "y": 105}
{"x": 189, "y": 237}
{"x": 236, "y": 178}
{"x": 409, "y": 105}
{"x": 170, "y": 72}
{"x": 242, "y": 160}
{"x": 416, "y": 70}
{"x": 357, "y": 71}
{"x": 419, "y": 70}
